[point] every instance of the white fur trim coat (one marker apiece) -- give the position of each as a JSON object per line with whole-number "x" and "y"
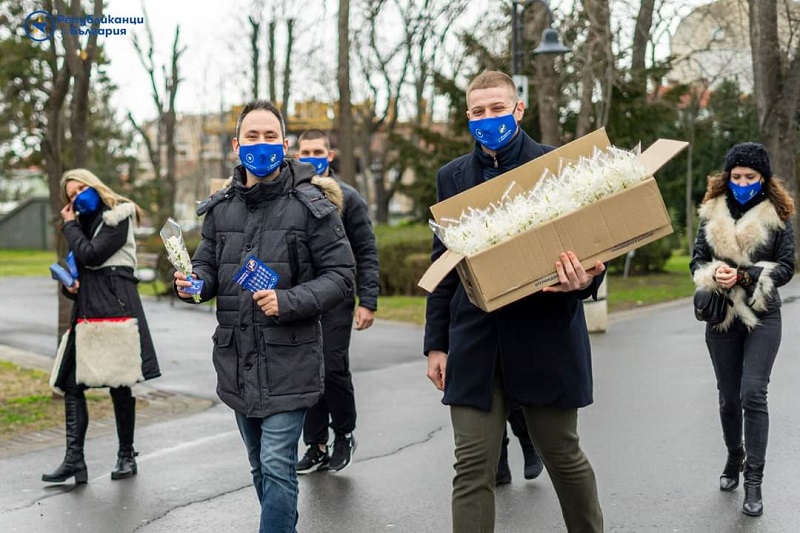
{"x": 759, "y": 244}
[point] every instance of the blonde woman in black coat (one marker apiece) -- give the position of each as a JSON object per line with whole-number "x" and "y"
{"x": 745, "y": 246}
{"x": 117, "y": 350}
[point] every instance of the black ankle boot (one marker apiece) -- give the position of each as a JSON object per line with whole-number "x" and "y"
{"x": 729, "y": 480}
{"x": 126, "y": 465}
{"x": 77, "y": 419}
{"x": 752, "y": 505}
{"x": 503, "y": 476}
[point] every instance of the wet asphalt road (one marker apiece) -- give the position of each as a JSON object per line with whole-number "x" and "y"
{"x": 652, "y": 435}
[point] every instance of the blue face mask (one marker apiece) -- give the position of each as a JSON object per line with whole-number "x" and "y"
{"x": 86, "y": 202}
{"x": 494, "y": 132}
{"x": 744, "y": 193}
{"x": 320, "y": 163}
{"x": 261, "y": 159}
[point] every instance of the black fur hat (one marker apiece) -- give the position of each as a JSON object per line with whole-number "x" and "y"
{"x": 750, "y": 155}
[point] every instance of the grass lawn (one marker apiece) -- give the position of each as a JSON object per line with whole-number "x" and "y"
{"x": 26, "y": 262}
{"x": 27, "y": 403}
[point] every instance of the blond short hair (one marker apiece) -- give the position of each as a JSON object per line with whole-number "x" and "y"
{"x": 489, "y": 79}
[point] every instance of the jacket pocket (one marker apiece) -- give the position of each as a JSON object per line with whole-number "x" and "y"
{"x": 226, "y": 360}
{"x": 220, "y": 248}
{"x": 294, "y": 359}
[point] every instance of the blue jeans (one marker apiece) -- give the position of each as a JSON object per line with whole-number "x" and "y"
{"x": 272, "y": 451}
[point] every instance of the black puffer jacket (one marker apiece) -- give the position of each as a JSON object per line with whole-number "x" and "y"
{"x": 269, "y": 365}
{"x": 757, "y": 242}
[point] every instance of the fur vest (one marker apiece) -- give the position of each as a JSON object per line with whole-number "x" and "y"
{"x": 759, "y": 244}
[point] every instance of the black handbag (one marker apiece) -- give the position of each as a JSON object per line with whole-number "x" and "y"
{"x": 711, "y": 306}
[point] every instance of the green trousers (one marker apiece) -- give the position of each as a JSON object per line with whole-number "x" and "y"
{"x": 478, "y": 437}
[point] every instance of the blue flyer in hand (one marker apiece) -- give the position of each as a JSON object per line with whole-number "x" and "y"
{"x": 256, "y": 276}
{"x": 72, "y": 266}
{"x": 60, "y": 273}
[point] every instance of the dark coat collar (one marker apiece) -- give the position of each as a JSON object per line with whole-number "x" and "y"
{"x": 292, "y": 174}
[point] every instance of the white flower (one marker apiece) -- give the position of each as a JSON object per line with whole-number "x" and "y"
{"x": 178, "y": 255}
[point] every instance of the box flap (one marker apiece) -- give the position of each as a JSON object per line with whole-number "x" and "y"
{"x": 659, "y": 153}
{"x": 439, "y": 269}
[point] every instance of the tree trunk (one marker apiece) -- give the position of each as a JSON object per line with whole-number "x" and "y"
{"x": 347, "y": 163}
{"x": 287, "y": 71}
{"x": 546, "y": 83}
{"x": 255, "y": 27}
{"x": 271, "y": 61}
{"x": 777, "y": 90}
{"x": 641, "y": 36}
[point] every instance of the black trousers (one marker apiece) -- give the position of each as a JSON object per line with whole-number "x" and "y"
{"x": 337, "y": 406}
{"x": 743, "y": 362}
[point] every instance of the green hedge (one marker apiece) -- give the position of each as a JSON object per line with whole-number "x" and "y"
{"x": 404, "y": 253}
{"x": 650, "y": 258}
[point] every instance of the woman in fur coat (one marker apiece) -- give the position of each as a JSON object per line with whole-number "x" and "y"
{"x": 745, "y": 246}
{"x": 108, "y": 326}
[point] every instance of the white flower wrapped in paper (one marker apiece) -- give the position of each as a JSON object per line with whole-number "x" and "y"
{"x": 177, "y": 253}
{"x": 578, "y": 184}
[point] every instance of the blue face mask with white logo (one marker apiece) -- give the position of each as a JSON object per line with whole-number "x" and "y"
{"x": 494, "y": 132}
{"x": 744, "y": 193}
{"x": 320, "y": 163}
{"x": 261, "y": 159}
{"x": 86, "y": 202}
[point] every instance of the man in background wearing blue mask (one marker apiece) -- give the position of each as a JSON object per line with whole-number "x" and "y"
{"x": 533, "y": 353}
{"x": 268, "y": 345}
{"x": 338, "y": 402}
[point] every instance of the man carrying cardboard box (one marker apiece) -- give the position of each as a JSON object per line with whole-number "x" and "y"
{"x": 532, "y": 353}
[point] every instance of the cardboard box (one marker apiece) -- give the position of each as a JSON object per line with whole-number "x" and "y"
{"x": 600, "y": 231}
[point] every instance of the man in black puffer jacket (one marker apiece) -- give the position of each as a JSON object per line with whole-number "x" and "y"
{"x": 339, "y": 401}
{"x": 268, "y": 345}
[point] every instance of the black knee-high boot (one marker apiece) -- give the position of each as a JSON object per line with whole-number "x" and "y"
{"x": 125, "y": 414}
{"x": 77, "y": 420}
{"x": 752, "y": 505}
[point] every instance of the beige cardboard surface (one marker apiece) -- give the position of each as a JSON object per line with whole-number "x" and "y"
{"x": 525, "y": 263}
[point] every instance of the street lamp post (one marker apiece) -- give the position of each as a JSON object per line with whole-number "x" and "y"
{"x": 549, "y": 44}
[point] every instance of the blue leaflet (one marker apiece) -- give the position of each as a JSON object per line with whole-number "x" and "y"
{"x": 256, "y": 276}
{"x": 72, "y": 266}
{"x": 59, "y": 273}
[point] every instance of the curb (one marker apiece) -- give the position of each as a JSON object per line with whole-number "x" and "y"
{"x": 161, "y": 405}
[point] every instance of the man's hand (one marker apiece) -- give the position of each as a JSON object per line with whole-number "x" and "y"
{"x": 68, "y": 213}
{"x": 267, "y": 301}
{"x": 437, "y": 363}
{"x": 364, "y": 318}
{"x": 182, "y": 281}
{"x": 725, "y": 276}
{"x": 572, "y": 275}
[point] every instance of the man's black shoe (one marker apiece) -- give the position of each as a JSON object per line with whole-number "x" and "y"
{"x": 314, "y": 459}
{"x": 344, "y": 447}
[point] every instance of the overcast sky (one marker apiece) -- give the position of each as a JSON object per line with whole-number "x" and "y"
{"x": 216, "y": 34}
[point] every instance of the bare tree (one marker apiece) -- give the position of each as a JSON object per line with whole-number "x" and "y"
{"x": 287, "y": 70}
{"x": 344, "y": 116}
{"x": 166, "y": 119}
{"x": 255, "y": 29}
{"x": 641, "y": 38}
{"x": 386, "y": 66}
{"x": 271, "y": 60}
{"x": 776, "y": 75}
{"x": 598, "y": 67}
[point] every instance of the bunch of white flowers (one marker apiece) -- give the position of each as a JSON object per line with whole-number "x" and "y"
{"x": 177, "y": 253}
{"x": 577, "y": 184}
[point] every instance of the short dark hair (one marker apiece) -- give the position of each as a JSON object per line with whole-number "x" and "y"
{"x": 266, "y": 105}
{"x": 313, "y": 135}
